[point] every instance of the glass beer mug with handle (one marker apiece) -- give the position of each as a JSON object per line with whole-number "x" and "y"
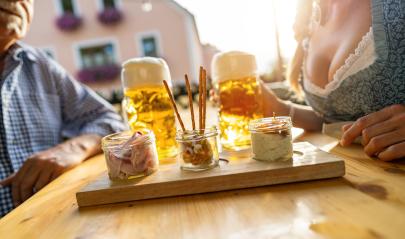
{"x": 235, "y": 80}
{"x": 146, "y": 103}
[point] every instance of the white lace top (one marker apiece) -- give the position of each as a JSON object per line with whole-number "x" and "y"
{"x": 358, "y": 88}
{"x": 363, "y": 56}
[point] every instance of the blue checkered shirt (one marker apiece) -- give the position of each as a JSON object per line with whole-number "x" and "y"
{"x": 41, "y": 105}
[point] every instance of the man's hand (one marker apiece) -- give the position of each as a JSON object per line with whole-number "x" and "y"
{"x": 43, "y": 167}
{"x": 383, "y": 133}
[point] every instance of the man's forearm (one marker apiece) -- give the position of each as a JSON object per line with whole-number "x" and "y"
{"x": 49, "y": 164}
{"x": 84, "y": 146}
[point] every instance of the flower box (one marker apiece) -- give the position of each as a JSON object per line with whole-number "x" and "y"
{"x": 99, "y": 73}
{"x": 68, "y": 22}
{"x": 110, "y": 16}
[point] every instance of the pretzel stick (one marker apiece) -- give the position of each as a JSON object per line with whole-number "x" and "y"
{"x": 174, "y": 104}
{"x": 200, "y": 99}
{"x": 204, "y": 97}
{"x": 190, "y": 100}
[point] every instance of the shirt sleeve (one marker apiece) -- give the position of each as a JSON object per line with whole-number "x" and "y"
{"x": 83, "y": 111}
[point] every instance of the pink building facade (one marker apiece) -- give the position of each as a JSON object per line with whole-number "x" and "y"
{"x": 91, "y": 38}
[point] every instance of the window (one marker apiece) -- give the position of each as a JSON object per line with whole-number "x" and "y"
{"x": 50, "y": 51}
{"x": 149, "y": 43}
{"x": 97, "y": 60}
{"x": 50, "y": 54}
{"x": 149, "y": 46}
{"x": 109, "y": 4}
{"x": 99, "y": 55}
{"x": 67, "y": 6}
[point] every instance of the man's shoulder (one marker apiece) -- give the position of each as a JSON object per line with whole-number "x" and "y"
{"x": 39, "y": 56}
{"x": 34, "y": 53}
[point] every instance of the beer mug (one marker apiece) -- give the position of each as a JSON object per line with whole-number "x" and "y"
{"x": 146, "y": 103}
{"x": 235, "y": 79}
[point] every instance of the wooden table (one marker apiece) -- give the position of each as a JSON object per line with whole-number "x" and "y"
{"x": 368, "y": 202}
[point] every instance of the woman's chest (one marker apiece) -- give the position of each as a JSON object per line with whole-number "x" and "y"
{"x": 331, "y": 44}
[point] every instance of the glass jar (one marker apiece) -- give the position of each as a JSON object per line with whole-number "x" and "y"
{"x": 198, "y": 149}
{"x": 129, "y": 155}
{"x": 271, "y": 138}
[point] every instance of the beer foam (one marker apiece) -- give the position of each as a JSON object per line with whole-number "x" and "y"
{"x": 233, "y": 65}
{"x": 144, "y": 71}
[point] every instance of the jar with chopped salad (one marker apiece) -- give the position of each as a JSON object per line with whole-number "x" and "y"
{"x": 198, "y": 149}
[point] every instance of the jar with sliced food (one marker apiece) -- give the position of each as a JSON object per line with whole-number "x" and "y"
{"x": 129, "y": 155}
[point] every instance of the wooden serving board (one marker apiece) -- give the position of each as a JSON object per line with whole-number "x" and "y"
{"x": 241, "y": 171}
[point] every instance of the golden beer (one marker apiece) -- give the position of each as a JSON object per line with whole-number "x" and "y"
{"x": 238, "y": 106}
{"x": 234, "y": 74}
{"x": 146, "y": 103}
{"x": 149, "y": 107}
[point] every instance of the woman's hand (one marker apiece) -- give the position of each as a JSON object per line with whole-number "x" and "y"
{"x": 383, "y": 133}
{"x": 43, "y": 167}
{"x": 271, "y": 103}
{"x": 214, "y": 97}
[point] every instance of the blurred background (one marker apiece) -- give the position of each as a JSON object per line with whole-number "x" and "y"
{"x": 91, "y": 38}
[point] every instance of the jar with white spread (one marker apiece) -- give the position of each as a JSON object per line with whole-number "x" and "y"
{"x": 271, "y": 138}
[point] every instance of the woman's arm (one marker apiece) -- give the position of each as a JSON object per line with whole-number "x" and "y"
{"x": 301, "y": 116}
{"x": 305, "y": 117}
